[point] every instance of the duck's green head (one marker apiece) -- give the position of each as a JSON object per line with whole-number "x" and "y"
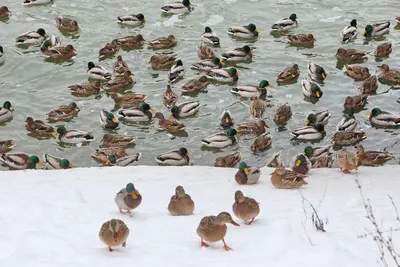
{"x": 270, "y": 165}
{"x": 243, "y": 167}
{"x": 232, "y": 132}
{"x": 1, "y": 49}
{"x": 316, "y": 90}
{"x": 65, "y": 164}
{"x": 7, "y": 105}
{"x": 252, "y": 27}
{"x": 293, "y": 17}
{"x": 301, "y": 159}
{"x": 264, "y": 83}
{"x": 111, "y": 117}
{"x": 216, "y": 61}
{"x": 91, "y": 65}
{"x": 233, "y": 72}
{"x": 186, "y": 3}
{"x": 375, "y": 112}
{"x": 112, "y": 158}
{"x": 145, "y": 107}
{"x": 140, "y": 16}
{"x": 353, "y": 23}
{"x": 368, "y": 30}
{"x": 32, "y": 161}
{"x": 61, "y": 130}
{"x": 349, "y": 112}
{"x": 322, "y": 72}
{"x": 175, "y": 111}
{"x": 246, "y": 49}
{"x": 310, "y": 119}
{"x": 41, "y": 32}
{"x": 207, "y": 30}
{"x": 130, "y": 189}
{"x": 183, "y": 152}
{"x": 308, "y": 151}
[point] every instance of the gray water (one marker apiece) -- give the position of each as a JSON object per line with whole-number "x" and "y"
{"x": 35, "y": 86}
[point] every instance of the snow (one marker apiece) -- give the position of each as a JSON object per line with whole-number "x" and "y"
{"x": 52, "y": 218}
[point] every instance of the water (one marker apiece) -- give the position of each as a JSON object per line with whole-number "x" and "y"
{"x": 35, "y": 86}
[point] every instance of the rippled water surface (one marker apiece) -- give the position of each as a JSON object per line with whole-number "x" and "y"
{"x": 35, "y": 87}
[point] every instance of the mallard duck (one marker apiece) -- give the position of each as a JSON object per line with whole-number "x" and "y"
{"x": 228, "y": 161}
{"x": 109, "y": 49}
{"x": 226, "y": 119}
{"x": 256, "y": 127}
{"x": 347, "y": 55}
{"x": 142, "y": 114}
{"x": 6, "y": 145}
{"x": 60, "y": 52}
{"x": 56, "y": 163}
{"x": 316, "y": 72}
{"x": 369, "y": 85}
{"x": 379, "y": 118}
{"x": 50, "y": 42}
{"x": 120, "y": 66}
{"x": 97, "y": 72}
{"x": 176, "y": 72}
{"x": 300, "y": 164}
{"x": 181, "y": 204}
{"x": 347, "y": 161}
{"x": 38, "y": 127}
{"x": 213, "y": 229}
{"x": 6, "y": 112}
{"x": 275, "y": 160}
{"x": 377, "y": 30}
{"x": 108, "y": 120}
{"x": 170, "y": 125}
{"x": 221, "y": 140}
{"x": 127, "y": 99}
{"x": 36, "y": 2}
{"x": 20, "y": 161}
{"x": 31, "y": 38}
{"x": 325, "y": 161}
{"x": 205, "y": 52}
{"x": 130, "y": 160}
{"x": 169, "y": 97}
{"x": 120, "y": 82}
{"x": 162, "y": 61}
{"x": 131, "y": 42}
{"x": 207, "y": 64}
{"x": 63, "y": 112}
{"x": 315, "y": 153}
{"x": 66, "y": 24}
{"x": 2, "y": 56}
{"x": 85, "y": 89}
{"x": 348, "y": 138}
{"x": 390, "y": 75}
{"x": 257, "y": 107}
{"x": 177, "y": 7}
{"x": 185, "y": 109}
{"x": 163, "y": 42}
{"x": 348, "y": 123}
{"x": 238, "y": 54}
{"x": 349, "y": 33}
{"x": 383, "y": 50}
{"x": 310, "y": 133}
{"x": 210, "y": 37}
{"x": 128, "y": 199}
{"x": 301, "y": 39}
{"x": 4, "y": 12}
{"x": 262, "y": 142}
{"x": 282, "y": 114}
{"x": 357, "y": 72}
{"x": 223, "y": 75}
{"x": 320, "y": 117}
{"x": 195, "y": 85}
{"x": 132, "y": 19}
{"x": 116, "y": 140}
{"x": 73, "y": 136}
{"x": 114, "y": 233}
{"x": 244, "y": 32}
{"x": 370, "y": 157}
{"x": 178, "y": 157}
{"x": 102, "y": 155}
{"x": 286, "y": 179}
{"x": 357, "y": 102}
{"x": 311, "y": 89}
{"x": 289, "y": 74}
{"x": 247, "y": 174}
{"x": 286, "y": 24}
{"x": 251, "y": 90}
{"x": 245, "y": 208}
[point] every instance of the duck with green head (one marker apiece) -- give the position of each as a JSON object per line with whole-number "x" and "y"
{"x": 311, "y": 89}
{"x": 383, "y": 119}
{"x": 56, "y": 163}
{"x": 275, "y": 160}
{"x": 377, "y": 30}
{"x": 208, "y": 64}
{"x": 226, "y": 119}
{"x": 132, "y": 19}
{"x": 316, "y": 72}
{"x": 141, "y": 114}
{"x": 6, "y": 112}
{"x": 350, "y": 32}
{"x": 301, "y": 164}
{"x": 348, "y": 122}
{"x": 251, "y": 90}
{"x": 238, "y": 54}
{"x": 221, "y": 140}
{"x": 286, "y": 24}
{"x": 249, "y": 31}
{"x": 178, "y": 157}
{"x": 108, "y": 120}
{"x": 210, "y": 37}
{"x": 73, "y": 136}
{"x": 31, "y": 38}
{"x": 20, "y": 161}
{"x": 177, "y": 7}
{"x": 185, "y": 109}
{"x": 310, "y": 133}
{"x": 247, "y": 174}
{"x": 128, "y": 199}
{"x": 223, "y": 75}
{"x": 314, "y": 153}
{"x": 130, "y": 160}
{"x": 320, "y": 117}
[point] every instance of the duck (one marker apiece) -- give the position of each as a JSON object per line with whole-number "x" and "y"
{"x": 56, "y": 163}
{"x": 205, "y": 52}
{"x": 221, "y": 140}
{"x": 38, "y": 127}
{"x": 195, "y": 85}
{"x": 176, "y": 72}
{"x": 127, "y": 99}
{"x": 213, "y": 229}
{"x": 120, "y": 66}
{"x": 128, "y": 199}
{"x": 73, "y": 136}
{"x": 226, "y": 119}
{"x": 282, "y": 114}
{"x": 383, "y": 50}
{"x": 390, "y": 75}
{"x": 357, "y": 102}
{"x": 32, "y": 37}
{"x": 275, "y": 160}
{"x": 251, "y": 90}
{"x": 300, "y": 164}
{"x": 320, "y": 117}
{"x": 301, "y": 39}
{"x": 60, "y": 52}
{"x": 310, "y": 133}
{"x": 141, "y": 114}
{"x": 348, "y": 55}
{"x": 102, "y": 155}
{"x": 181, "y": 204}
{"x": 324, "y": 162}
{"x": 347, "y": 161}
{"x": 170, "y": 125}
{"x": 350, "y": 32}
{"x": 20, "y": 161}
{"x": 238, "y": 54}
{"x": 131, "y": 42}
{"x": 210, "y": 37}
{"x": 257, "y": 107}
{"x": 163, "y": 42}
{"x": 120, "y": 82}
{"x": 6, "y": 145}
{"x": 286, "y": 24}
{"x": 6, "y": 112}
{"x": 348, "y": 123}
{"x": 208, "y": 64}
{"x": 130, "y": 160}
{"x": 185, "y": 109}
{"x": 177, "y": 7}
{"x": 380, "y": 118}
{"x": 114, "y": 233}
{"x": 162, "y": 61}
{"x": 169, "y": 97}
{"x": 63, "y": 112}
{"x": 97, "y": 72}
{"x": 316, "y": 72}
{"x": 282, "y": 178}
{"x": 289, "y": 74}
{"x": 311, "y": 89}
{"x": 109, "y": 49}
{"x": 245, "y": 208}
{"x": 343, "y": 138}
{"x": 132, "y": 19}
{"x": 50, "y": 42}
{"x": 377, "y": 30}
{"x": 315, "y": 153}
{"x": 223, "y": 75}
{"x": 117, "y": 140}
{"x": 66, "y": 24}
{"x": 371, "y": 157}
{"x": 178, "y": 157}
{"x": 255, "y": 127}
{"x": 244, "y": 32}
{"x": 262, "y": 142}
{"x": 108, "y": 120}
{"x": 397, "y": 19}
{"x": 357, "y": 72}
{"x": 85, "y": 89}
{"x": 30, "y": 3}
{"x": 228, "y": 161}
{"x": 2, "y": 55}
{"x": 4, "y": 12}
{"x": 369, "y": 85}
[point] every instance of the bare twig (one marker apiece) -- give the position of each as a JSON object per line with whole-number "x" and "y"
{"x": 316, "y": 220}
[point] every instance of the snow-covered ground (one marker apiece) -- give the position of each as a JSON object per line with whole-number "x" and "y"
{"x": 52, "y": 218}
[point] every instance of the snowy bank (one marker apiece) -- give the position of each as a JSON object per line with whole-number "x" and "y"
{"x": 52, "y": 218}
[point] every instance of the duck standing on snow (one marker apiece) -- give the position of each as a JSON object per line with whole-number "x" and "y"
{"x": 141, "y": 114}
{"x": 244, "y": 32}
{"x": 286, "y": 24}
{"x": 247, "y": 174}
{"x": 56, "y": 163}
{"x": 223, "y": 75}
{"x": 377, "y": 30}
{"x": 174, "y": 158}
{"x": 73, "y": 136}
{"x": 316, "y": 72}
{"x": 252, "y": 89}
{"x": 226, "y": 119}
{"x": 177, "y": 7}
{"x": 221, "y": 140}
{"x": 210, "y": 37}
{"x": 301, "y": 164}
{"x": 371, "y": 158}
{"x": 176, "y": 72}
{"x": 128, "y": 199}
{"x": 286, "y": 179}
{"x": 114, "y": 233}
{"x": 390, "y": 75}
{"x": 238, "y": 54}
{"x": 6, "y": 112}
{"x": 38, "y": 127}
{"x": 97, "y": 72}
{"x": 132, "y": 20}
{"x": 379, "y": 118}
{"x": 349, "y": 33}
{"x": 31, "y": 38}
{"x": 228, "y": 161}
{"x": 347, "y": 161}
{"x": 289, "y": 74}
{"x": 245, "y": 208}
{"x": 63, "y": 112}
{"x": 67, "y": 24}
{"x": 108, "y": 120}
{"x": 181, "y": 204}
{"x": 20, "y": 161}
{"x": 185, "y": 109}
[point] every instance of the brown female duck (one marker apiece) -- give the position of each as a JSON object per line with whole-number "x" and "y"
{"x": 262, "y": 142}
{"x": 169, "y": 97}
{"x": 356, "y": 103}
{"x": 369, "y": 85}
{"x": 390, "y": 75}
{"x": 120, "y": 66}
{"x": 114, "y": 233}
{"x": 85, "y": 89}
{"x": 282, "y": 114}
{"x": 67, "y": 24}
{"x": 171, "y": 125}
{"x": 301, "y": 39}
{"x": 116, "y": 140}
{"x": 357, "y": 72}
{"x": 131, "y": 42}
{"x": 289, "y": 74}
{"x": 257, "y": 107}
{"x": 245, "y": 208}
{"x": 38, "y": 127}
{"x": 59, "y": 52}
{"x": 256, "y": 127}
{"x": 120, "y": 82}
{"x": 109, "y": 49}
{"x": 162, "y": 61}
{"x": 383, "y": 50}
{"x": 181, "y": 204}
{"x": 347, "y": 55}
{"x": 6, "y": 145}
{"x": 127, "y": 99}
{"x": 63, "y": 112}
{"x": 195, "y": 85}
{"x": 285, "y": 179}
{"x": 370, "y": 157}
{"x": 228, "y": 161}
{"x": 163, "y": 42}
{"x": 347, "y": 161}
{"x": 205, "y": 52}
{"x": 4, "y": 12}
